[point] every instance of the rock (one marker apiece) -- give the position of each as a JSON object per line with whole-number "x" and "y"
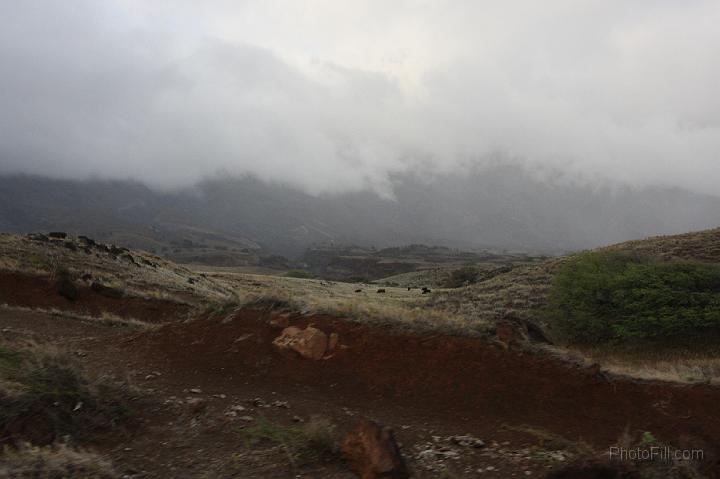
{"x": 310, "y": 343}
{"x": 107, "y": 291}
{"x": 57, "y": 234}
{"x": 196, "y": 405}
{"x": 332, "y": 342}
{"x": 38, "y": 237}
{"x": 505, "y": 332}
{"x": 279, "y": 320}
{"x": 66, "y": 288}
{"x": 196, "y": 391}
{"x": 371, "y": 451}
{"x": 87, "y": 240}
{"x": 467, "y": 441}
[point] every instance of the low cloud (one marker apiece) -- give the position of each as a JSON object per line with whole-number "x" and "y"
{"x": 340, "y": 99}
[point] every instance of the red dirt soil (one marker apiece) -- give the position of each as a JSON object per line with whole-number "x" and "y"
{"x": 438, "y": 376}
{"x": 39, "y": 292}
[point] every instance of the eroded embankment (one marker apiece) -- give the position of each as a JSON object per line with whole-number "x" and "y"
{"x": 32, "y": 291}
{"x": 438, "y": 376}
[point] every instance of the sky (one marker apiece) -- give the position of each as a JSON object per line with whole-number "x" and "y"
{"x": 334, "y": 95}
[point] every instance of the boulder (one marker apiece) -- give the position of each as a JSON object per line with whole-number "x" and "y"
{"x": 310, "y": 343}
{"x": 332, "y": 342}
{"x": 506, "y": 333}
{"x": 279, "y": 320}
{"x": 371, "y": 451}
{"x": 66, "y": 288}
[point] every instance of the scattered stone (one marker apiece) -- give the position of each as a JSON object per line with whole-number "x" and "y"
{"x": 196, "y": 391}
{"x": 257, "y": 402}
{"x": 371, "y": 451}
{"x": 246, "y": 418}
{"x": 237, "y": 408}
{"x": 467, "y": 441}
{"x": 219, "y": 396}
{"x": 57, "y": 234}
{"x": 38, "y": 237}
{"x": 196, "y": 405}
{"x": 297, "y": 419}
{"x": 281, "y": 404}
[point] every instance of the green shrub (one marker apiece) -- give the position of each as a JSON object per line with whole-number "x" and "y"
{"x": 608, "y": 296}
{"x": 462, "y": 277}
{"x": 298, "y": 273}
{"x": 44, "y": 395}
{"x": 302, "y": 444}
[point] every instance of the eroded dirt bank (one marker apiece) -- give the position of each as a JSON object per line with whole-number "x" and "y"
{"x": 32, "y": 291}
{"x": 449, "y": 377}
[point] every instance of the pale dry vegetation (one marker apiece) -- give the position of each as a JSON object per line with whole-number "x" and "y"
{"x": 138, "y": 274}
{"x": 58, "y": 461}
{"x": 106, "y": 318}
{"x": 682, "y": 366}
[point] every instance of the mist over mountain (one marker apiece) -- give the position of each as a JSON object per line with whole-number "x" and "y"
{"x": 502, "y": 207}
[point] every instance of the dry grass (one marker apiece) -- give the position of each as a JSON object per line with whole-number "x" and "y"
{"x": 105, "y": 317}
{"x": 150, "y": 276}
{"x": 42, "y": 385}
{"x": 679, "y": 365}
{"x": 397, "y": 307}
{"x": 406, "y": 317}
{"x": 301, "y": 444}
{"x": 59, "y": 461}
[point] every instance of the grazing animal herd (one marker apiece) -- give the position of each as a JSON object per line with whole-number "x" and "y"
{"x": 425, "y": 290}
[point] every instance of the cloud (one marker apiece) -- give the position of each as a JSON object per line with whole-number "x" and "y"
{"x": 338, "y": 97}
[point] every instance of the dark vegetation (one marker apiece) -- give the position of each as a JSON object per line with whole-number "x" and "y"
{"x": 298, "y": 273}
{"x": 464, "y": 276}
{"x": 616, "y": 297}
{"x": 45, "y": 395}
{"x": 304, "y": 443}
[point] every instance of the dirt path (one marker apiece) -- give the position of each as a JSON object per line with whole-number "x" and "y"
{"x": 169, "y": 438}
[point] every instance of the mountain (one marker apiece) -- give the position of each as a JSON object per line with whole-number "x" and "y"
{"x": 503, "y": 208}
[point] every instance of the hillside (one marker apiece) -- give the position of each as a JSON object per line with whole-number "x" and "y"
{"x": 234, "y": 221}
{"x": 184, "y": 360}
{"x": 522, "y": 292}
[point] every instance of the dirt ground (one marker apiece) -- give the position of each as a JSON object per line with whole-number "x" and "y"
{"x": 426, "y": 388}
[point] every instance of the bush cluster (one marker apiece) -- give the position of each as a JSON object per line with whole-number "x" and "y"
{"x": 600, "y": 297}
